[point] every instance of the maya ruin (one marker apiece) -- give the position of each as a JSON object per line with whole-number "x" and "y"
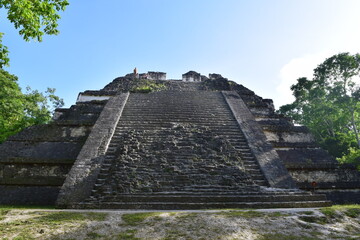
{"x": 145, "y": 142}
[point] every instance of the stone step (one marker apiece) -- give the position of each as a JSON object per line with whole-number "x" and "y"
{"x": 244, "y": 197}
{"x": 253, "y": 167}
{"x": 190, "y": 109}
{"x": 233, "y": 137}
{"x": 202, "y": 205}
{"x": 211, "y": 115}
{"x": 248, "y": 159}
{"x": 211, "y": 108}
{"x": 257, "y": 176}
{"x": 175, "y": 99}
{"x": 176, "y": 102}
{"x": 200, "y": 111}
{"x": 247, "y": 155}
{"x": 149, "y": 143}
{"x": 172, "y": 123}
{"x": 203, "y": 190}
{"x": 261, "y": 183}
{"x": 175, "y": 126}
{"x": 246, "y": 190}
{"x": 161, "y": 112}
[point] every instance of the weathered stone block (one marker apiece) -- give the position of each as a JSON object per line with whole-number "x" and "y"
{"x": 28, "y": 195}
{"x": 33, "y": 174}
{"x": 39, "y": 152}
{"x": 261, "y": 111}
{"x": 305, "y": 158}
{"x": 329, "y": 175}
{"x": 52, "y": 133}
{"x": 289, "y": 137}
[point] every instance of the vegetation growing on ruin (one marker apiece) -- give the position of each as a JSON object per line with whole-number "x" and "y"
{"x": 146, "y": 86}
{"x": 137, "y": 218}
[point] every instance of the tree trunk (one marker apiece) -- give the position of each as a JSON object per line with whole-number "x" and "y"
{"x": 355, "y": 128}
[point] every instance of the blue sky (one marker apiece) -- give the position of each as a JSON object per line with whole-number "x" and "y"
{"x": 263, "y": 44}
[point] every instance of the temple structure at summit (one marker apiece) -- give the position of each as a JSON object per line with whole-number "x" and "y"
{"x": 145, "y": 142}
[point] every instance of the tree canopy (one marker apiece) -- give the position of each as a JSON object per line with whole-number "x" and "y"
{"x": 33, "y": 18}
{"x": 19, "y": 110}
{"x": 329, "y": 104}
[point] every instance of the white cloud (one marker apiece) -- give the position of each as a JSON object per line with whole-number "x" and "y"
{"x": 294, "y": 69}
{"x": 290, "y": 72}
{"x": 300, "y": 67}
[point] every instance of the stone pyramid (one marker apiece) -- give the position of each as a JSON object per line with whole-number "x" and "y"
{"x": 144, "y": 142}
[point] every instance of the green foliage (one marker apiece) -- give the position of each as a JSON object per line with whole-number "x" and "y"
{"x": 352, "y": 157}
{"x": 280, "y": 236}
{"x": 339, "y": 145}
{"x": 59, "y": 217}
{"x": 146, "y": 86}
{"x": 20, "y": 207}
{"x": 4, "y": 53}
{"x": 134, "y": 219}
{"x": 336, "y": 222}
{"x": 3, "y": 212}
{"x": 335, "y": 213}
{"x": 329, "y": 104}
{"x": 20, "y": 110}
{"x": 251, "y": 214}
{"x": 245, "y": 214}
{"x": 127, "y": 235}
{"x": 29, "y": 228}
{"x": 94, "y": 235}
{"x": 142, "y": 89}
{"x": 33, "y": 18}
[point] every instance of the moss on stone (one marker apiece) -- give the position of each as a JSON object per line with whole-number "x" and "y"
{"x": 133, "y": 219}
{"x": 146, "y": 86}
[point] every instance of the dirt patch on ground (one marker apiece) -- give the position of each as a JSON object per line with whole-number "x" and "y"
{"x": 340, "y": 222}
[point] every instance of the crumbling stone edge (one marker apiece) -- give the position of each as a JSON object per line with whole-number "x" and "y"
{"x": 269, "y": 161}
{"x": 82, "y": 176}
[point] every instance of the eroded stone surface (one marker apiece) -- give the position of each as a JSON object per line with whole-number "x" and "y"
{"x": 183, "y": 158}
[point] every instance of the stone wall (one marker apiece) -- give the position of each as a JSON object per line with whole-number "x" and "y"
{"x": 191, "y": 76}
{"x": 34, "y": 163}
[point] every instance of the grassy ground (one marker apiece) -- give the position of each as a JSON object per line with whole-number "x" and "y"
{"x": 337, "y": 222}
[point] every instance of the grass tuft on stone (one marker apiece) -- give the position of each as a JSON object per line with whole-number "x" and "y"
{"x": 127, "y": 235}
{"x": 333, "y": 212}
{"x": 133, "y": 219}
{"x": 279, "y": 236}
{"x": 147, "y": 86}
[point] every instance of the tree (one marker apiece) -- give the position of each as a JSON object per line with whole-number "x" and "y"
{"x": 33, "y": 18}
{"x": 19, "y": 110}
{"x": 329, "y": 104}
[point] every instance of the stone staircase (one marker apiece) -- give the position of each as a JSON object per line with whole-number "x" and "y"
{"x": 184, "y": 150}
